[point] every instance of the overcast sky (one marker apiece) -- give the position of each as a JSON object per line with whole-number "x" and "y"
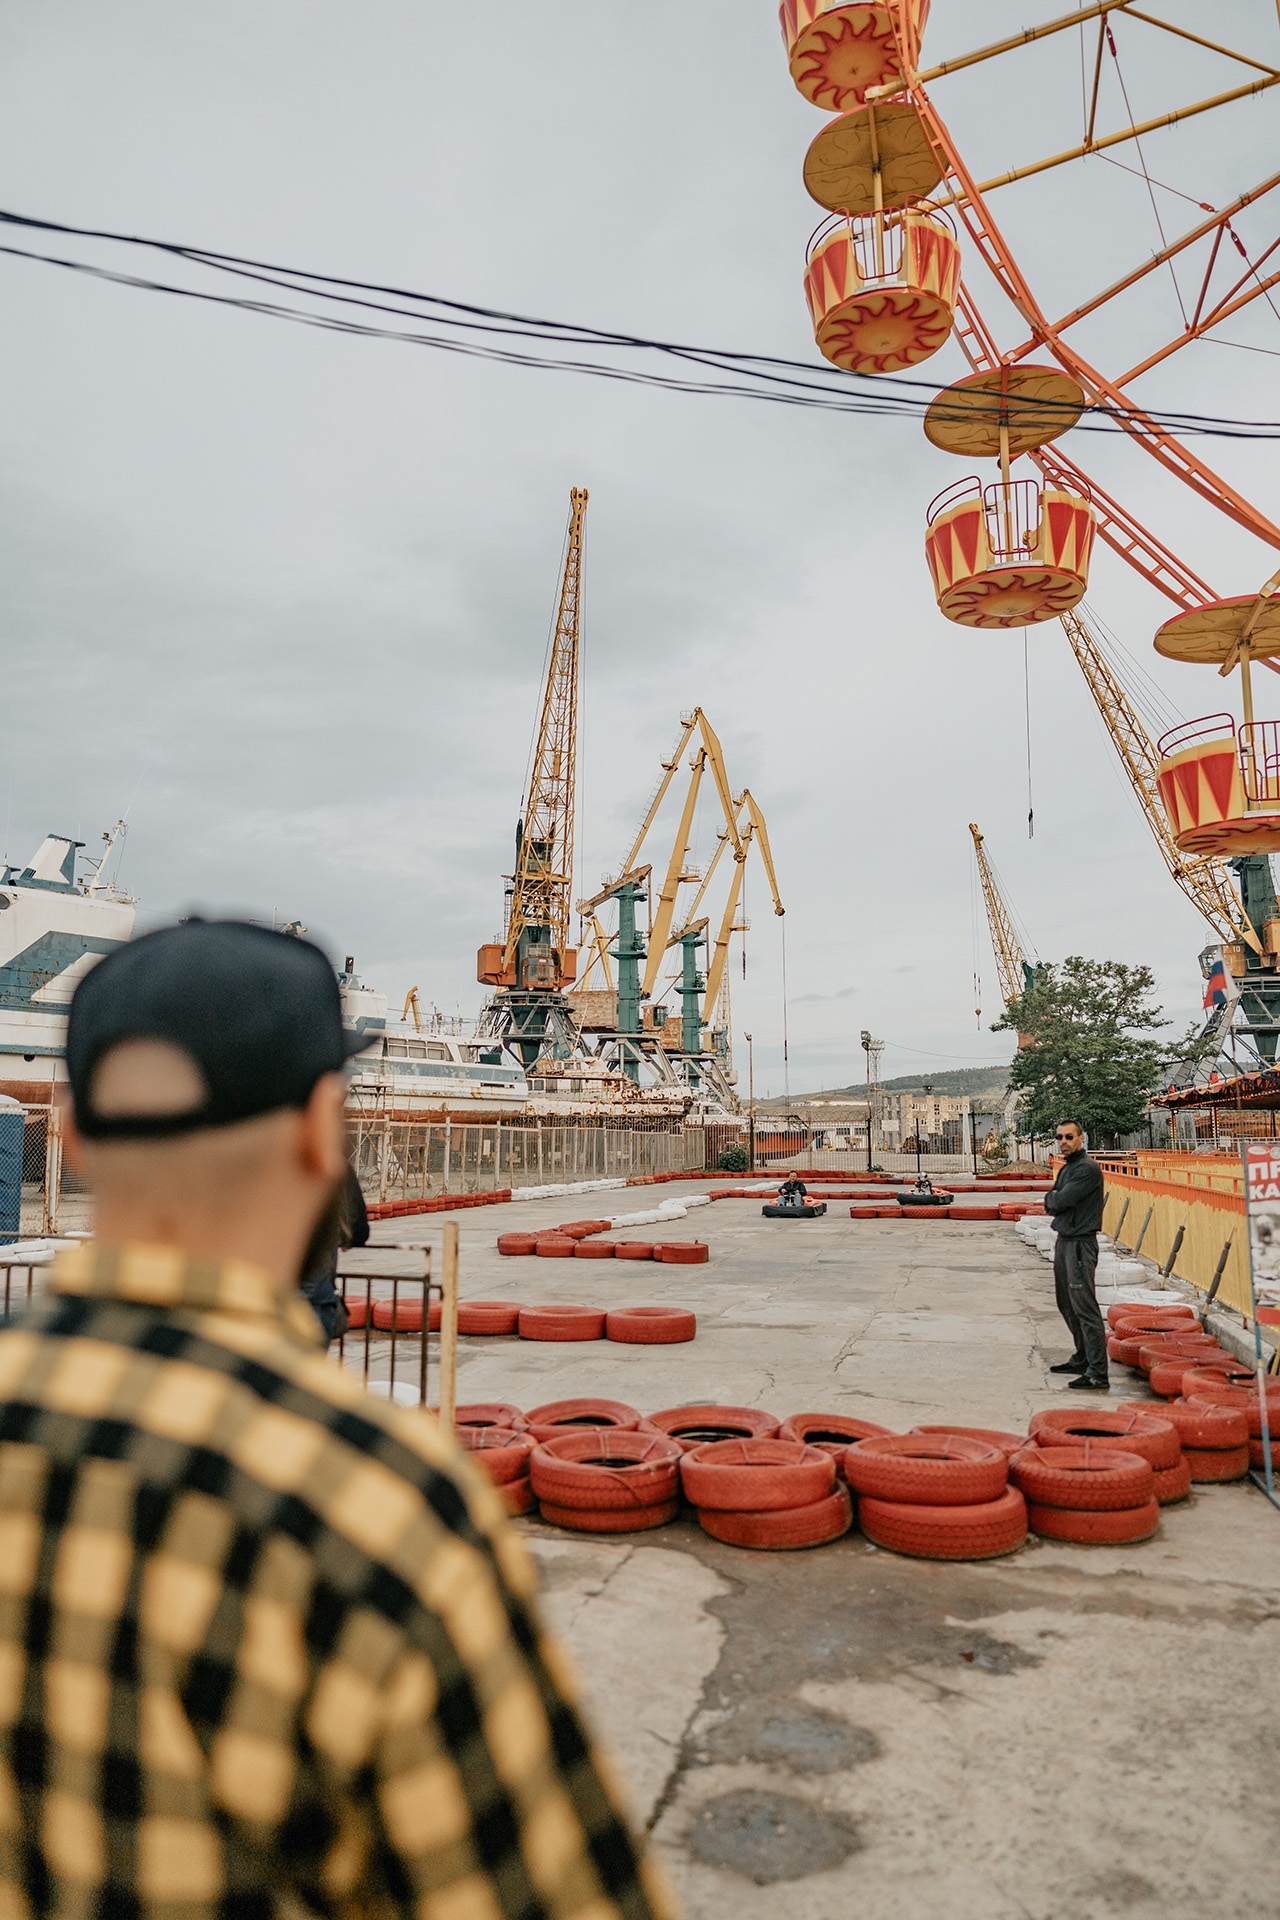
{"x": 288, "y": 592}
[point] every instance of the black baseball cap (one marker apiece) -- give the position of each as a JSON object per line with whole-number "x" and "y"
{"x": 259, "y": 1013}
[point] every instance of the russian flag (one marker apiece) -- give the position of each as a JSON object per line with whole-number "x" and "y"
{"x": 1215, "y": 987}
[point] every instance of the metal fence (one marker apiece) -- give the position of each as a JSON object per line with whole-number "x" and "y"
{"x": 399, "y": 1159}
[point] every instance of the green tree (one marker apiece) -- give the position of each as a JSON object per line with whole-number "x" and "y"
{"x": 1086, "y": 1052}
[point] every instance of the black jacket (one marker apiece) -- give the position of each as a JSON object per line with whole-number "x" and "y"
{"x": 1077, "y": 1196}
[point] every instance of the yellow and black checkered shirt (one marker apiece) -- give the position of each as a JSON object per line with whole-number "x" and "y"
{"x": 268, "y": 1647}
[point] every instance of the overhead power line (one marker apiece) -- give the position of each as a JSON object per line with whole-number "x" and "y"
{"x": 515, "y": 339}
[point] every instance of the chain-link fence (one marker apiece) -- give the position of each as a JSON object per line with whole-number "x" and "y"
{"x": 405, "y": 1159}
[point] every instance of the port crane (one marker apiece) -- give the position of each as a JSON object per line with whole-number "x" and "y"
{"x": 632, "y": 1024}
{"x": 1013, "y": 970}
{"x": 533, "y": 963}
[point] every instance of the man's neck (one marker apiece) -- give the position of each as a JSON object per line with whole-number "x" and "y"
{"x": 259, "y": 1242}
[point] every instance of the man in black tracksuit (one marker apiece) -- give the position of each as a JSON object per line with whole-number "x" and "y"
{"x": 1076, "y": 1201}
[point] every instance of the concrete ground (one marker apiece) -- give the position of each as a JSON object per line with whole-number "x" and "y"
{"x": 1065, "y": 1733}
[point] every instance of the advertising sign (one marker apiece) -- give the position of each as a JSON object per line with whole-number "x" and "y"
{"x": 1262, "y": 1210}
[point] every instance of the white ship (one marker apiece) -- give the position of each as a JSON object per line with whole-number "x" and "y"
{"x": 423, "y": 1066}
{"x": 53, "y": 928}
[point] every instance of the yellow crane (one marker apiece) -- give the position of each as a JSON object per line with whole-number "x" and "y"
{"x": 743, "y": 827}
{"x": 534, "y": 962}
{"x": 1206, "y": 880}
{"x": 1014, "y": 973}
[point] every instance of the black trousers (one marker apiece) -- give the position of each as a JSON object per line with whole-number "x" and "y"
{"x": 1075, "y": 1263}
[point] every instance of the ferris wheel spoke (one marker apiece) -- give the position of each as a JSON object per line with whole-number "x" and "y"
{"x": 971, "y": 207}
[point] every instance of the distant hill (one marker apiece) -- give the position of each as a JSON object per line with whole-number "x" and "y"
{"x": 980, "y": 1083}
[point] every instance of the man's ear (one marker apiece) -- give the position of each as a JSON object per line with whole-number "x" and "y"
{"x": 323, "y": 1130}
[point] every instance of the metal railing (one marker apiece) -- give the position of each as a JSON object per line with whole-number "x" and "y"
{"x": 389, "y": 1323}
{"x": 1191, "y": 733}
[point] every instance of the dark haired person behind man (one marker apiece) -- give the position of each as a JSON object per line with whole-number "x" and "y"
{"x": 1075, "y": 1202}
{"x": 270, "y": 1646}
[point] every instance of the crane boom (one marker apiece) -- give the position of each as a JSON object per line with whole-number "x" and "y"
{"x": 1011, "y": 965}
{"x": 1206, "y": 881}
{"x": 544, "y": 859}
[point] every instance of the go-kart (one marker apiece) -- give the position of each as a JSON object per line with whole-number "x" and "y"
{"x": 793, "y": 1209}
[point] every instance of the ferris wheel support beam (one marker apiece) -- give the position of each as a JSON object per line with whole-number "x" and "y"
{"x": 1217, "y": 220}
{"x": 1135, "y": 132}
{"x": 997, "y": 257}
{"x": 1223, "y": 311}
{"x": 1047, "y": 27}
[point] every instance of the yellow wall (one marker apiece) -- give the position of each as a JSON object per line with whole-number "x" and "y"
{"x": 1183, "y": 1190}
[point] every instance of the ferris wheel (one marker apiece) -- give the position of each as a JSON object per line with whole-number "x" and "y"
{"x": 890, "y": 279}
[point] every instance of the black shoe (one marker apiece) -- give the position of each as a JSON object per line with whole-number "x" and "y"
{"x": 1087, "y": 1384}
{"x": 1073, "y": 1365}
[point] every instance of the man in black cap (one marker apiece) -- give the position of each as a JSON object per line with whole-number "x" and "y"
{"x": 271, "y": 1645}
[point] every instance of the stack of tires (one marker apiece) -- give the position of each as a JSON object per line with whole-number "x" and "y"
{"x": 498, "y": 1436}
{"x": 1140, "y": 1430}
{"x": 936, "y": 1496}
{"x": 1215, "y": 1439}
{"x": 1235, "y": 1387}
{"x": 1091, "y": 1494}
{"x": 607, "y": 1479}
{"x": 769, "y": 1493}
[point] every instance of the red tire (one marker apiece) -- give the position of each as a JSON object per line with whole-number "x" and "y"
{"x": 756, "y": 1476}
{"x": 557, "y": 1417}
{"x": 1087, "y": 1479}
{"x": 1145, "y": 1434}
{"x": 518, "y": 1495}
{"x": 1256, "y": 1457}
{"x": 561, "y": 1323}
{"x": 555, "y": 1246}
{"x": 1195, "y": 1348}
{"x": 1166, "y": 1378}
{"x": 594, "y": 1250}
{"x": 1008, "y": 1443}
{"x": 682, "y": 1253}
{"x": 607, "y": 1470}
{"x": 780, "y": 1528}
{"x": 1173, "y": 1483}
{"x": 405, "y": 1316}
{"x": 633, "y": 1249}
{"x": 517, "y": 1242}
{"x": 700, "y": 1425}
{"x": 1153, "y": 1319}
{"x": 357, "y": 1310}
{"x": 488, "y": 1316}
{"x": 1126, "y": 1347}
{"x": 924, "y": 1213}
{"x": 927, "y": 1470}
{"x": 1245, "y": 1401}
{"x": 502, "y": 1453}
{"x": 831, "y": 1432}
{"x": 975, "y": 1213}
{"x": 580, "y": 1229}
{"x": 490, "y": 1413}
{"x": 1095, "y": 1528}
{"x": 1210, "y": 1467}
{"x": 1231, "y": 1376}
{"x": 598, "y": 1520}
{"x": 1129, "y": 1310}
{"x": 650, "y": 1326}
{"x": 1203, "y": 1427}
{"x": 947, "y": 1533}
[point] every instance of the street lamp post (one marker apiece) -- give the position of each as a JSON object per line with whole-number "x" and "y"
{"x": 751, "y": 1103}
{"x": 866, "y": 1048}
{"x": 928, "y": 1089}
